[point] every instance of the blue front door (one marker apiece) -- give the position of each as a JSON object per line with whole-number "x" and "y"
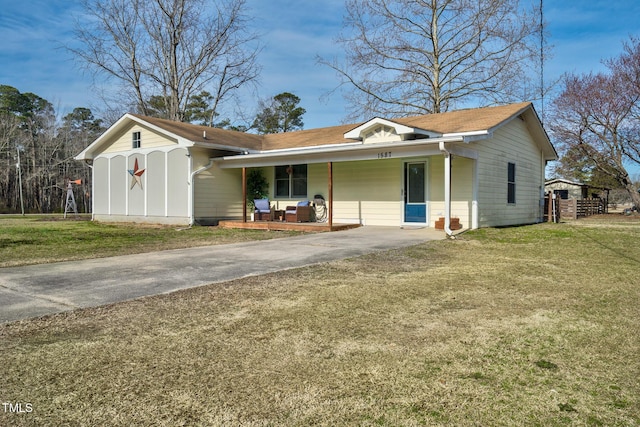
{"x": 415, "y": 200}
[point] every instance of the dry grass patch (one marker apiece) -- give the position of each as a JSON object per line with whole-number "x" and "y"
{"x": 45, "y": 239}
{"x": 520, "y": 326}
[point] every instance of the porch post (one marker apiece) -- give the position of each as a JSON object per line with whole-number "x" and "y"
{"x": 447, "y": 194}
{"x": 330, "y": 170}
{"x": 475, "y": 219}
{"x": 244, "y": 194}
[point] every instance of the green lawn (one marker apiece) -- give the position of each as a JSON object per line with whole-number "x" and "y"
{"x": 534, "y": 325}
{"x": 43, "y": 239}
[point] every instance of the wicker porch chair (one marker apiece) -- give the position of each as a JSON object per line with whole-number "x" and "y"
{"x": 299, "y": 213}
{"x": 263, "y": 211}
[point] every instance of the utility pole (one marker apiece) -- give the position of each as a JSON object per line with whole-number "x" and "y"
{"x": 19, "y": 170}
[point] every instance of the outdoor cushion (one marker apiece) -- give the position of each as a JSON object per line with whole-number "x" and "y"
{"x": 292, "y": 209}
{"x": 262, "y": 205}
{"x": 299, "y": 213}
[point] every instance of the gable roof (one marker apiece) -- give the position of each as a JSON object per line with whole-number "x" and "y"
{"x": 186, "y": 134}
{"x": 565, "y": 181}
{"x": 205, "y": 135}
{"x": 470, "y": 123}
{"x": 467, "y": 121}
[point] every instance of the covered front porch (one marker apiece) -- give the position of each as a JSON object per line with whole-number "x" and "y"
{"x": 403, "y": 183}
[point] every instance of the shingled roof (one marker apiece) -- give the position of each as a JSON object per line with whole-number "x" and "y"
{"x": 467, "y": 121}
{"x": 206, "y": 134}
{"x": 463, "y": 121}
{"x": 453, "y": 122}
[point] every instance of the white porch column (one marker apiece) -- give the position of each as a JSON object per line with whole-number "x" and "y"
{"x": 475, "y": 220}
{"x": 447, "y": 193}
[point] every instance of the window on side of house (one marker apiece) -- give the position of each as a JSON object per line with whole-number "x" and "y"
{"x": 511, "y": 183}
{"x": 291, "y": 181}
{"x": 135, "y": 140}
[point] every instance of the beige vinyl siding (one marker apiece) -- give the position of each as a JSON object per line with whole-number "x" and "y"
{"x": 317, "y": 183}
{"x": 218, "y": 192}
{"x": 363, "y": 192}
{"x": 511, "y": 143}
{"x": 148, "y": 139}
{"x": 368, "y": 192}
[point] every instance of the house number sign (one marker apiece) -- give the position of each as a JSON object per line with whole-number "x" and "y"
{"x": 384, "y": 155}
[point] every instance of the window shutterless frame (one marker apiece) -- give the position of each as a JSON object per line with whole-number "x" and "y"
{"x": 135, "y": 140}
{"x": 290, "y": 181}
{"x": 511, "y": 183}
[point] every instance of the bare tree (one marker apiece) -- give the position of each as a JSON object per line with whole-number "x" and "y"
{"x": 426, "y": 56}
{"x": 175, "y": 48}
{"x": 38, "y": 153}
{"x": 598, "y": 117}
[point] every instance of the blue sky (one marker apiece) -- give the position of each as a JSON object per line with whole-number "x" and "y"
{"x": 294, "y": 32}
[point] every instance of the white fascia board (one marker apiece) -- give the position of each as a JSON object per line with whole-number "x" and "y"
{"x": 327, "y": 147}
{"x": 223, "y": 147}
{"x": 87, "y": 153}
{"x": 400, "y": 129}
{"x": 84, "y": 154}
{"x": 470, "y": 136}
{"x": 352, "y": 152}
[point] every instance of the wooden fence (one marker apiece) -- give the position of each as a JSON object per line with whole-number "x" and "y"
{"x": 556, "y": 208}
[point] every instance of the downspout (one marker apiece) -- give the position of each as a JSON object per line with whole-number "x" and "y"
{"x": 447, "y": 190}
{"x": 89, "y": 164}
{"x": 192, "y": 216}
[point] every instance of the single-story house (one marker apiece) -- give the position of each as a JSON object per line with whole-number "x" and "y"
{"x": 484, "y": 166}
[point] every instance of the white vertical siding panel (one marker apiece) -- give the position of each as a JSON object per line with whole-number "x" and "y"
{"x": 101, "y": 186}
{"x": 177, "y": 180}
{"x": 155, "y": 186}
{"x": 118, "y": 188}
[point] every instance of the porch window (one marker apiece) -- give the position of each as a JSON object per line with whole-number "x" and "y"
{"x": 511, "y": 183}
{"x": 135, "y": 140}
{"x": 291, "y": 181}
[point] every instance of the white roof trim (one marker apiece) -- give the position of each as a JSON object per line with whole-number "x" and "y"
{"x": 329, "y": 153}
{"x": 88, "y": 153}
{"x": 470, "y": 136}
{"x": 309, "y": 148}
{"x": 399, "y": 128}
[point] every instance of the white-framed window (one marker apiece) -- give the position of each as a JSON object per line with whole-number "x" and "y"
{"x": 135, "y": 140}
{"x": 291, "y": 181}
{"x": 511, "y": 183}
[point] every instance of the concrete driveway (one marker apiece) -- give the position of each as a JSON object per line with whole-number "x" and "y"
{"x": 38, "y": 290}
